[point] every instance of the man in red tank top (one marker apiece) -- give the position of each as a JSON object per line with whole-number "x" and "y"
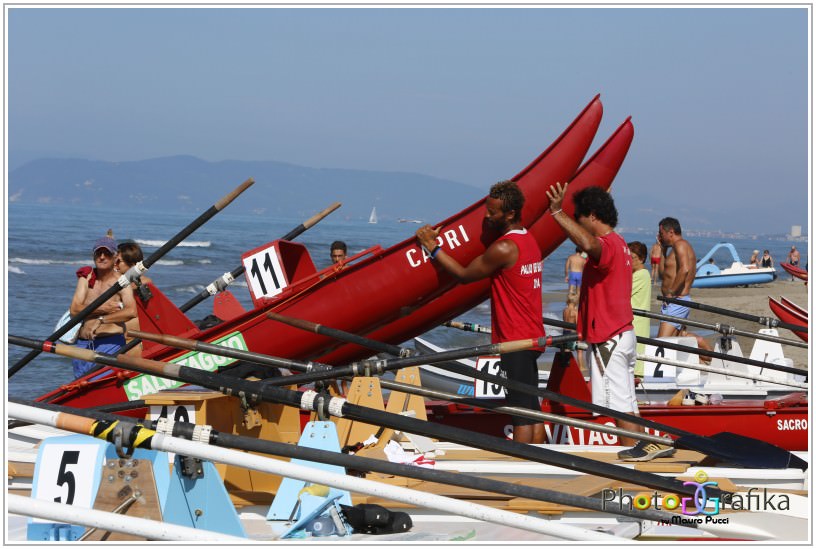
{"x": 513, "y": 263}
{"x": 605, "y": 310}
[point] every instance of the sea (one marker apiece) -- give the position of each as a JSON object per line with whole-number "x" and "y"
{"x": 47, "y": 243}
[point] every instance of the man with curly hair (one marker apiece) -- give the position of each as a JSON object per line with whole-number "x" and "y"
{"x": 513, "y": 263}
{"x": 605, "y": 310}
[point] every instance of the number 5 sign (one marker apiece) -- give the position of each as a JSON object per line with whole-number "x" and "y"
{"x": 68, "y": 471}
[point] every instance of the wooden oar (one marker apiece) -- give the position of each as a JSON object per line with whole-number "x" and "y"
{"x": 220, "y": 284}
{"x": 137, "y": 270}
{"x": 358, "y": 463}
{"x": 726, "y": 446}
{"x": 766, "y": 321}
{"x": 326, "y": 406}
{"x": 141, "y": 437}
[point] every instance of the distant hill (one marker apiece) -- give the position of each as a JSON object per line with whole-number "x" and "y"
{"x": 189, "y": 183}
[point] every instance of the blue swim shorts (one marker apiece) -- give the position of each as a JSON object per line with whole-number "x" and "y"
{"x": 679, "y": 311}
{"x": 575, "y": 278}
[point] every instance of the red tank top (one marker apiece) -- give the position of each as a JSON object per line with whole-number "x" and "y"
{"x": 605, "y": 307}
{"x": 515, "y": 293}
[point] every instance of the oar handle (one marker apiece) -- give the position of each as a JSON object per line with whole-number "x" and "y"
{"x": 314, "y": 220}
{"x": 468, "y": 326}
{"x": 226, "y": 200}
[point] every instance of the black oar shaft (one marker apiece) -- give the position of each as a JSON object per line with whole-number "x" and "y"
{"x": 724, "y": 329}
{"x": 770, "y": 322}
{"x": 193, "y": 345}
{"x": 325, "y": 406}
{"x": 220, "y": 283}
{"x": 697, "y": 351}
{"x": 360, "y": 463}
{"x": 379, "y": 366}
{"x": 320, "y": 329}
{"x": 134, "y": 272}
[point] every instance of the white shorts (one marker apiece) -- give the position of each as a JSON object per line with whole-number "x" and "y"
{"x": 613, "y": 381}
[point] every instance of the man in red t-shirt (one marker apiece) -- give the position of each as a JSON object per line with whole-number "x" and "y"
{"x": 605, "y": 310}
{"x": 513, "y": 263}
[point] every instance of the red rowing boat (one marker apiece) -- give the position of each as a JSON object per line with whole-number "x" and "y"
{"x": 782, "y": 421}
{"x": 600, "y": 170}
{"x": 375, "y": 288}
{"x": 791, "y": 316}
{"x": 793, "y": 306}
{"x": 793, "y": 270}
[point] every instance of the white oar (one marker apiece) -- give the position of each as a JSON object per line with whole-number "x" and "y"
{"x": 112, "y": 522}
{"x": 78, "y": 424}
{"x": 714, "y": 370}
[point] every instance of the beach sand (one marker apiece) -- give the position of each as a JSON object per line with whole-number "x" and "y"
{"x": 752, "y": 300}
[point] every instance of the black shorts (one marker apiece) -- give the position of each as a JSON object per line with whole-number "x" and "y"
{"x": 522, "y": 366}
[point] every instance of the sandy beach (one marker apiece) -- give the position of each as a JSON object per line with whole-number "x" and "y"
{"x": 751, "y": 300}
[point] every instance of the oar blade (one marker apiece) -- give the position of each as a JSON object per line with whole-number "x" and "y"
{"x": 742, "y": 450}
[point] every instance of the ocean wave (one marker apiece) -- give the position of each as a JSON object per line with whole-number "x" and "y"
{"x": 170, "y": 262}
{"x": 183, "y": 244}
{"x": 29, "y": 261}
{"x": 16, "y": 270}
{"x": 204, "y": 261}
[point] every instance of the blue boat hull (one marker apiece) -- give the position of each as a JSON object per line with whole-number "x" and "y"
{"x": 731, "y": 280}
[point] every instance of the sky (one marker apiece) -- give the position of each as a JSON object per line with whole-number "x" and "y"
{"x": 719, "y": 97}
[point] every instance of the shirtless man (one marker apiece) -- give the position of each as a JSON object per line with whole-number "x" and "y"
{"x": 103, "y": 329}
{"x": 573, "y": 270}
{"x": 677, "y": 270}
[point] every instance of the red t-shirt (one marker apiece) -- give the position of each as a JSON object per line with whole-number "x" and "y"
{"x": 605, "y": 307}
{"x": 515, "y": 293}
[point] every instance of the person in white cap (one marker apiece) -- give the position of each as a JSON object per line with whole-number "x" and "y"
{"x": 103, "y": 329}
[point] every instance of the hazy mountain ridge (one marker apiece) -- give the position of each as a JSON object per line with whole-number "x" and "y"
{"x": 189, "y": 183}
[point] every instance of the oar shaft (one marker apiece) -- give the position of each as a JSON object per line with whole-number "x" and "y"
{"x": 722, "y": 356}
{"x": 309, "y": 400}
{"x": 113, "y": 522}
{"x": 721, "y": 371}
{"x": 342, "y": 335}
{"x": 193, "y": 345}
{"x": 378, "y": 367}
{"x": 724, "y": 329}
{"x": 522, "y": 412}
{"x": 359, "y": 463}
{"x": 764, "y": 320}
{"x": 220, "y": 283}
{"x": 136, "y": 270}
{"x": 344, "y": 482}
{"x": 697, "y": 351}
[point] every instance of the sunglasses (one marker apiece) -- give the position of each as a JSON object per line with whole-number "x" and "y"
{"x": 102, "y": 251}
